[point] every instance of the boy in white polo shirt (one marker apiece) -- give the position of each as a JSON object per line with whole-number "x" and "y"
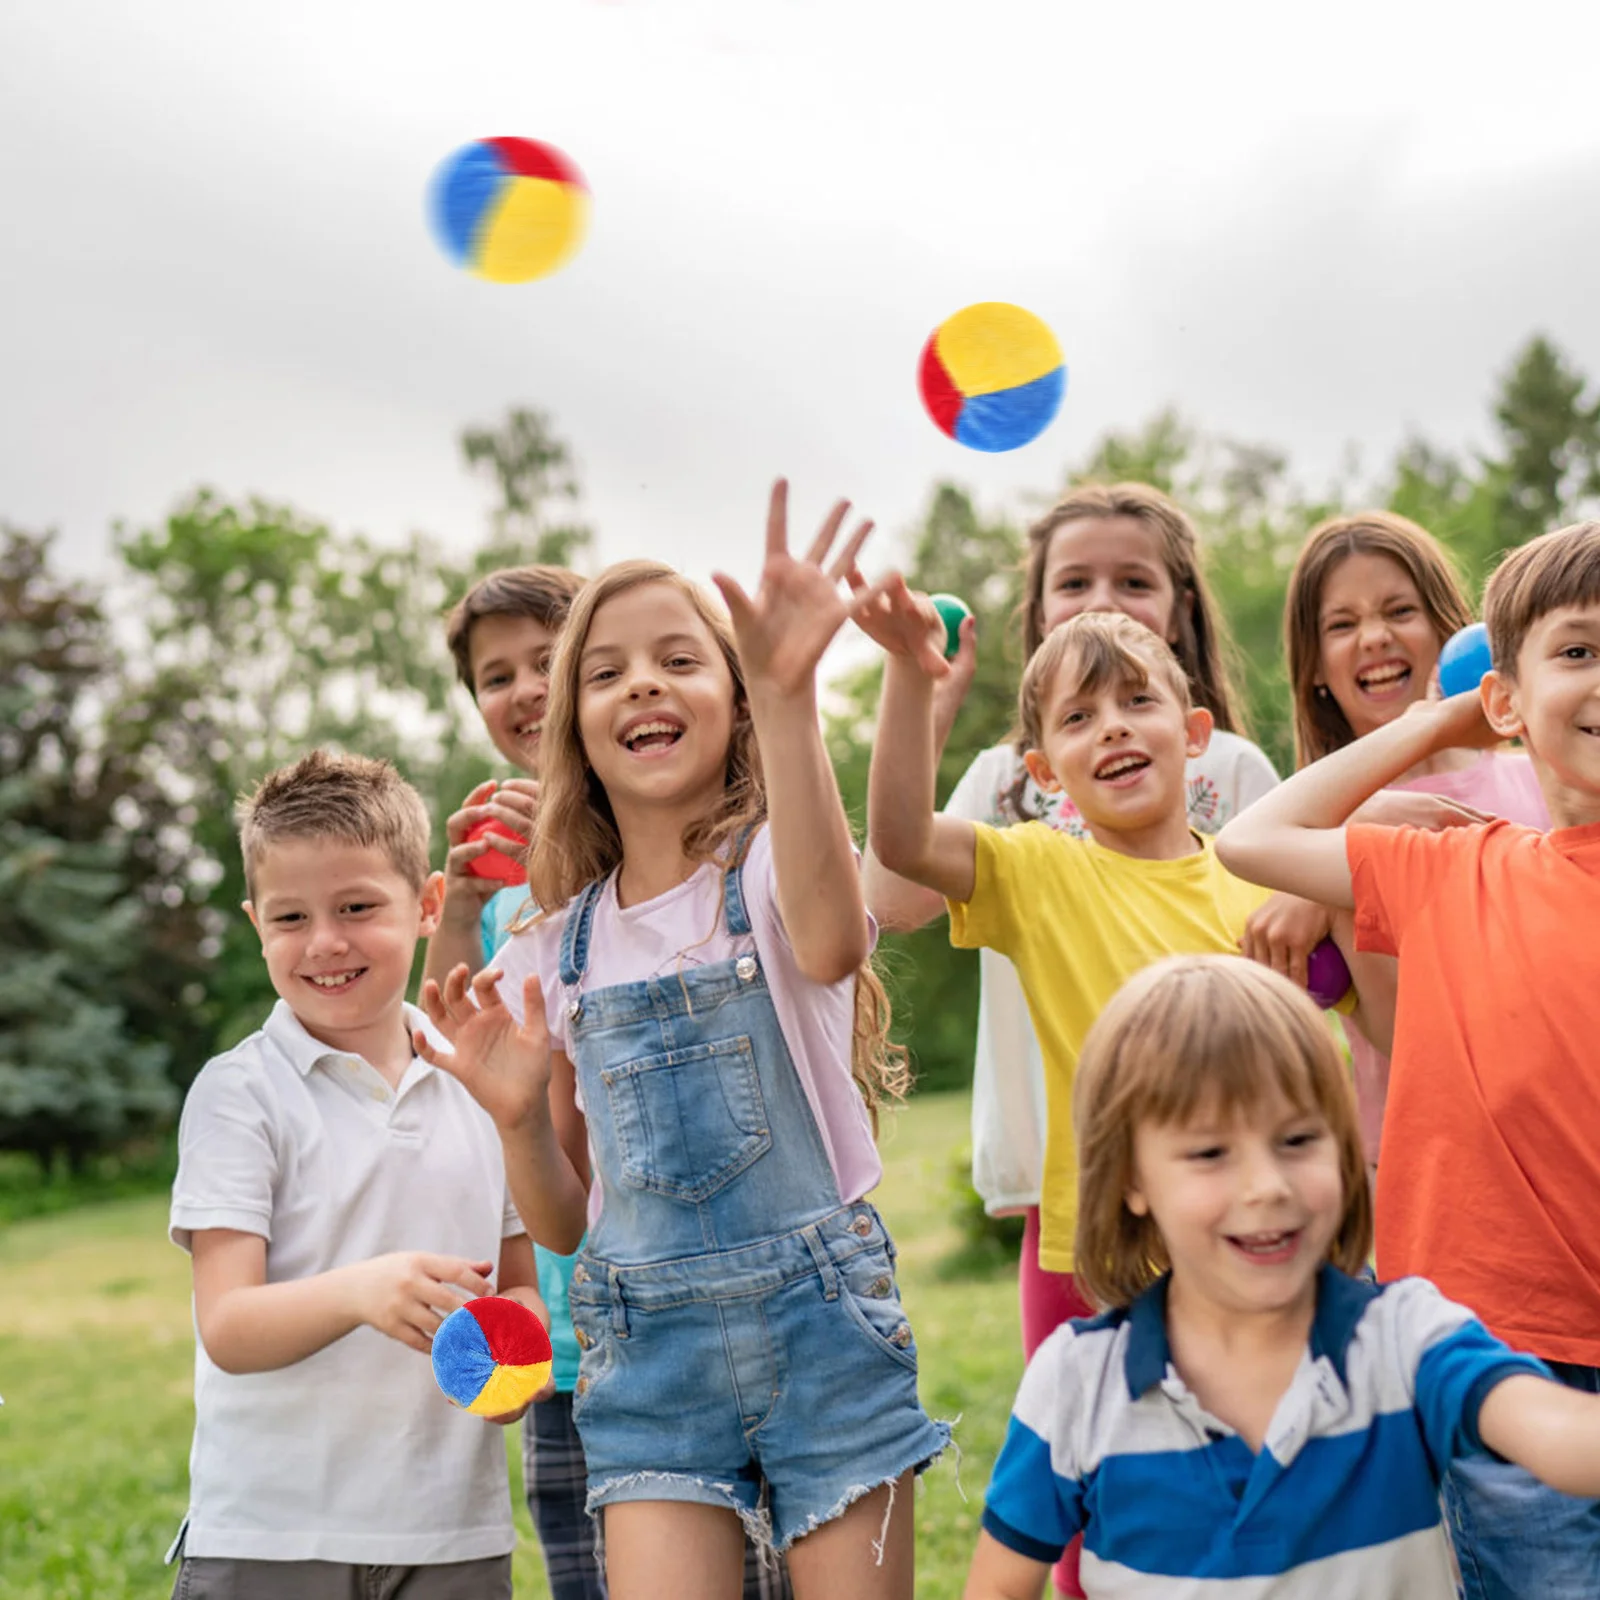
{"x": 339, "y": 1197}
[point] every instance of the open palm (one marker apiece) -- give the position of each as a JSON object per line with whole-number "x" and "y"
{"x": 797, "y": 608}
{"x": 502, "y": 1063}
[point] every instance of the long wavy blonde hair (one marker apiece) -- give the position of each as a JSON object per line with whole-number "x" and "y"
{"x": 576, "y": 840}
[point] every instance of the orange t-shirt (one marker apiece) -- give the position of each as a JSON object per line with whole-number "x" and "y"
{"x": 1490, "y": 1176}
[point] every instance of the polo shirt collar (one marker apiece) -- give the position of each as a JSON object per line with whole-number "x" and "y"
{"x": 287, "y": 1031}
{"x": 1341, "y": 1303}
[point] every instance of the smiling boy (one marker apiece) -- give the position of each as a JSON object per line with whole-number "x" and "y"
{"x": 340, "y": 1197}
{"x": 1104, "y": 710}
{"x": 1494, "y": 1102}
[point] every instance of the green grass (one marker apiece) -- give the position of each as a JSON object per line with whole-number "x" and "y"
{"x": 96, "y": 1363}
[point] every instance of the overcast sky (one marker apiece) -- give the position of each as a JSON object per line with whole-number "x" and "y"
{"x": 1305, "y": 225}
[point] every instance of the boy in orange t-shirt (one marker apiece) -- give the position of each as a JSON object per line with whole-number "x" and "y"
{"x": 1494, "y": 1107}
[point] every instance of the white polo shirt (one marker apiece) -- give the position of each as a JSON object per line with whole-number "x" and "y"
{"x": 353, "y": 1454}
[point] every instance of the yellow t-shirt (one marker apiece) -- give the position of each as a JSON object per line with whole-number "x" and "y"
{"x": 1078, "y": 921}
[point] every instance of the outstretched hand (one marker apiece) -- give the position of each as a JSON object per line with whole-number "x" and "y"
{"x": 905, "y": 623}
{"x": 783, "y": 630}
{"x": 503, "y": 1064}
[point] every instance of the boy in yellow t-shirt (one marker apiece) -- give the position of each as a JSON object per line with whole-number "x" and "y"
{"x": 1105, "y": 712}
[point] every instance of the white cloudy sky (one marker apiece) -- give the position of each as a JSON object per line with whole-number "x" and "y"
{"x": 1308, "y": 225}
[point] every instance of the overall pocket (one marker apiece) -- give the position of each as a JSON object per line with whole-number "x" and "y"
{"x": 869, "y": 1293}
{"x": 688, "y": 1121}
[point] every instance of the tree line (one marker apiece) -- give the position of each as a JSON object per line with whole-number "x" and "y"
{"x": 235, "y": 634}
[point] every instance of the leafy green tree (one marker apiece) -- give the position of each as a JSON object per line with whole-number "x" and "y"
{"x": 265, "y": 634}
{"x": 78, "y": 935}
{"x": 532, "y": 468}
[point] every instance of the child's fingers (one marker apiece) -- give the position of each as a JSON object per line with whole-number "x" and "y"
{"x": 454, "y": 996}
{"x": 433, "y": 1003}
{"x": 484, "y": 991}
{"x": 740, "y": 609}
{"x": 845, "y": 563}
{"x": 827, "y": 533}
{"x": 435, "y": 1058}
{"x": 778, "y": 519}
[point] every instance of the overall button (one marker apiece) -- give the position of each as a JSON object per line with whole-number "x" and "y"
{"x": 580, "y": 1273}
{"x": 574, "y": 1010}
{"x": 880, "y": 1288}
{"x": 861, "y": 1227}
{"x": 582, "y": 1386}
{"x": 584, "y": 1341}
{"x": 901, "y": 1335}
{"x": 745, "y": 967}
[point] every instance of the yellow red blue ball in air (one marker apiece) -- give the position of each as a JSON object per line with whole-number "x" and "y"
{"x": 509, "y": 210}
{"x": 992, "y": 376}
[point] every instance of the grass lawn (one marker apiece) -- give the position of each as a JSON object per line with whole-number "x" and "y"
{"x": 96, "y": 1367}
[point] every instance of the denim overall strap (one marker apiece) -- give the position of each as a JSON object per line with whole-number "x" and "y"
{"x": 575, "y": 934}
{"x": 733, "y": 911}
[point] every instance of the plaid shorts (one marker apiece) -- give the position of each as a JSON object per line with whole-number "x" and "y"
{"x": 557, "y": 1483}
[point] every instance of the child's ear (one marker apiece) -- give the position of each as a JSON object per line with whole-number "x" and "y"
{"x": 1135, "y": 1201}
{"x": 1199, "y": 724}
{"x": 1501, "y": 704}
{"x": 1040, "y": 770}
{"x": 250, "y": 911}
{"x": 432, "y": 902}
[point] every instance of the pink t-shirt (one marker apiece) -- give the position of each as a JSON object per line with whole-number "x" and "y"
{"x": 683, "y": 928}
{"x": 1504, "y": 786}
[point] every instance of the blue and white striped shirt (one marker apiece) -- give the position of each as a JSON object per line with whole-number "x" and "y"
{"x": 1342, "y": 1499}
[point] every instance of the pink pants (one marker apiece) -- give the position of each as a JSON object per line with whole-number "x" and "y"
{"x": 1048, "y": 1300}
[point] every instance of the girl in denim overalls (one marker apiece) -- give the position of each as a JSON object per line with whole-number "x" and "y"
{"x": 690, "y": 1023}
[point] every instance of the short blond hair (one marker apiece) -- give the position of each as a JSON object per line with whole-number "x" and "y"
{"x": 1547, "y": 574}
{"x": 1095, "y": 648}
{"x": 1192, "y": 1034}
{"x": 333, "y": 796}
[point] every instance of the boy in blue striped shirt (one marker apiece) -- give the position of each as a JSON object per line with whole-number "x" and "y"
{"x": 1250, "y": 1417}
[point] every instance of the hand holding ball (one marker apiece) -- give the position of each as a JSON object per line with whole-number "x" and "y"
{"x": 1464, "y": 660}
{"x": 491, "y": 1356}
{"x": 494, "y": 863}
{"x": 1327, "y": 976}
{"x": 952, "y": 612}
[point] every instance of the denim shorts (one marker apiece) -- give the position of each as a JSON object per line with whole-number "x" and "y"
{"x": 779, "y": 1379}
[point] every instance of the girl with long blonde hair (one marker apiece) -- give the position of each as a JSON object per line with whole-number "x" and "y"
{"x": 698, "y": 1025}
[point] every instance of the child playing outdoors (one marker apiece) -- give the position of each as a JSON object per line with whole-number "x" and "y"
{"x": 1371, "y": 602}
{"x": 1124, "y": 548}
{"x": 1105, "y": 714}
{"x": 1494, "y": 1101}
{"x": 1247, "y": 1417}
{"x": 340, "y": 1198}
{"x": 704, "y": 999}
{"x": 502, "y": 635}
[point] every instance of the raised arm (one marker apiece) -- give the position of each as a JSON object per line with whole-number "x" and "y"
{"x": 904, "y": 832}
{"x": 1292, "y": 838}
{"x": 897, "y": 902}
{"x": 782, "y": 632}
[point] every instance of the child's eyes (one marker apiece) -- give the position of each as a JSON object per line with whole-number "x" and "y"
{"x": 355, "y": 908}
{"x": 1298, "y": 1141}
{"x": 1342, "y": 625}
{"x": 1138, "y": 583}
{"x": 1065, "y": 585}
{"x": 1210, "y": 1152}
{"x": 286, "y": 919}
{"x": 1578, "y": 652}
{"x": 682, "y": 661}
{"x": 601, "y": 674}
{"x": 493, "y": 681}
{"x": 1402, "y": 611}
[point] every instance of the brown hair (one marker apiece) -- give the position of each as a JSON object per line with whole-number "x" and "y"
{"x": 543, "y": 594}
{"x": 1551, "y": 572}
{"x": 576, "y": 841}
{"x": 1098, "y": 648}
{"x": 1198, "y": 1034}
{"x": 1319, "y": 725}
{"x": 1203, "y": 646}
{"x": 328, "y": 795}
